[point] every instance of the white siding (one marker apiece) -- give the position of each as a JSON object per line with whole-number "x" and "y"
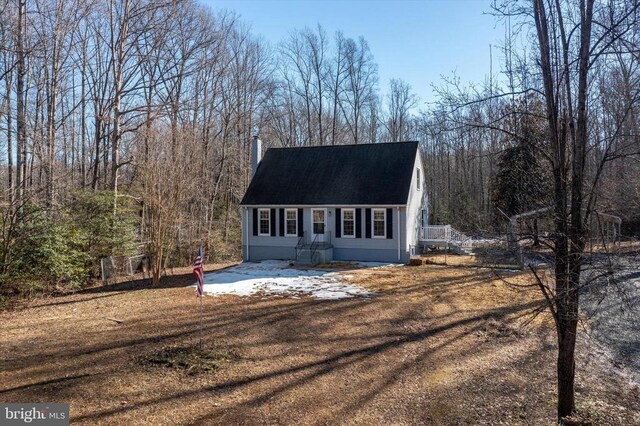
{"x": 416, "y": 202}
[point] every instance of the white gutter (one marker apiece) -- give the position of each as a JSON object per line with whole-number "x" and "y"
{"x": 319, "y": 206}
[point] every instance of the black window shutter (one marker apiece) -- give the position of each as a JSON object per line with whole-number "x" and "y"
{"x": 358, "y": 223}
{"x": 389, "y": 223}
{"x": 273, "y": 222}
{"x": 282, "y": 222}
{"x": 367, "y": 223}
{"x": 255, "y": 222}
{"x": 338, "y": 219}
{"x": 300, "y": 223}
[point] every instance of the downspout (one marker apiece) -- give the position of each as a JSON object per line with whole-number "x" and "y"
{"x": 399, "y": 234}
{"x": 246, "y": 230}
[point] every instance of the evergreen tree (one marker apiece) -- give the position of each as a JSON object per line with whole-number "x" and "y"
{"x": 521, "y": 183}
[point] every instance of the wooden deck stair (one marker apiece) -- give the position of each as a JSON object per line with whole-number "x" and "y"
{"x": 312, "y": 255}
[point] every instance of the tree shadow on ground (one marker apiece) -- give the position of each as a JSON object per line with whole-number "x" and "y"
{"x": 343, "y": 354}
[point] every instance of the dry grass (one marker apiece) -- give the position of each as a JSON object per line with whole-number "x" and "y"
{"x": 483, "y": 257}
{"x": 437, "y": 345}
{"x": 192, "y": 359}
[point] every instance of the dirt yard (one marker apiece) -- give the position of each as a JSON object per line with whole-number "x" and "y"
{"x": 437, "y": 345}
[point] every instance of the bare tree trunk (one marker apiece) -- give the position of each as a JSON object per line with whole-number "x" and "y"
{"x": 97, "y": 139}
{"x": 21, "y": 136}
{"x": 83, "y": 120}
{"x": 570, "y": 232}
{"x": 52, "y": 101}
{"x": 10, "y": 171}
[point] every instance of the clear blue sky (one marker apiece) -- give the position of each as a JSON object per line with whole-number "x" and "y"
{"x": 417, "y": 41}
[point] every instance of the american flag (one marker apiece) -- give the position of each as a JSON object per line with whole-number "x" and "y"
{"x": 198, "y": 272}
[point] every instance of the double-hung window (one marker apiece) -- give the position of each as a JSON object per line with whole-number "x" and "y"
{"x": 348, "y": 223}
{"x": 264, "y": 222}
{"x": 291, "y": 226}
{"x": 379, "y": 223}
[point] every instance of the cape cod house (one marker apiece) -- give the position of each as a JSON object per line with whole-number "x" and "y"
{"x": 316, "y": 204}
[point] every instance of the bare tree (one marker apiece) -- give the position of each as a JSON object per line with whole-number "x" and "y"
{"x": 317, "y": 49}
{"x": 8, "y": 61}
{"x": 165, "y": 187}
{"x": 400, "y": 102}
{"x": 566, "y": 65}
{"x": 336, "y": 78}
{"x": 362, "y": 78}
{"x": 298, "y": 74}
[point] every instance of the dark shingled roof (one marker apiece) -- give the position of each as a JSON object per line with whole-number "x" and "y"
{"x": 339, "y": 175}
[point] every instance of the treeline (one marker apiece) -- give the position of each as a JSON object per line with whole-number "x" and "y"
{"x": 490, "y": 146}
{"x": 155, "y": 103}
{"x": 145, "y": 110}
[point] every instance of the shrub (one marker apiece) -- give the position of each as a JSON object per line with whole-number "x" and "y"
{"x": 47, "y": 251}
{"x": 106, "y": 234}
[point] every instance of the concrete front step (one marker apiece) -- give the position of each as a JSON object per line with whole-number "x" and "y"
{"x": 318, "y": 246}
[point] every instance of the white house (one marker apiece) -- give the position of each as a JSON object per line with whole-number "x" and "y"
{"x": 363, "y": 202}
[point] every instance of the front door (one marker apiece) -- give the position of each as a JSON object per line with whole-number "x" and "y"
{"x": 318, "y": 217}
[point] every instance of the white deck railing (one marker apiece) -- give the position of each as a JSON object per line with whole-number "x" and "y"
{"x": 444, "y": 233}
{"x": 436, "y": 233}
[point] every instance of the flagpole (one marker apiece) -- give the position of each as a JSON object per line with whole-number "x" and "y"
{"x": 201, "y": 321}
{"x": 198, "y": 270}
{"x": 201, "y": 296}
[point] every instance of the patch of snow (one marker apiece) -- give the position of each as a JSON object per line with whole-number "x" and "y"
{"x": 512, "y": 270}
{"x": 488, "y": 241}
{"x": 278, "y": 278}
{"x": 537, "y": 260}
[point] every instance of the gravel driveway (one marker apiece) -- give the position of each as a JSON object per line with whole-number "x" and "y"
{"x": 613, "y": 305}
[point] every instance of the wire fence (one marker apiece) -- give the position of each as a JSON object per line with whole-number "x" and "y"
{"x": 113, "y": 268}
